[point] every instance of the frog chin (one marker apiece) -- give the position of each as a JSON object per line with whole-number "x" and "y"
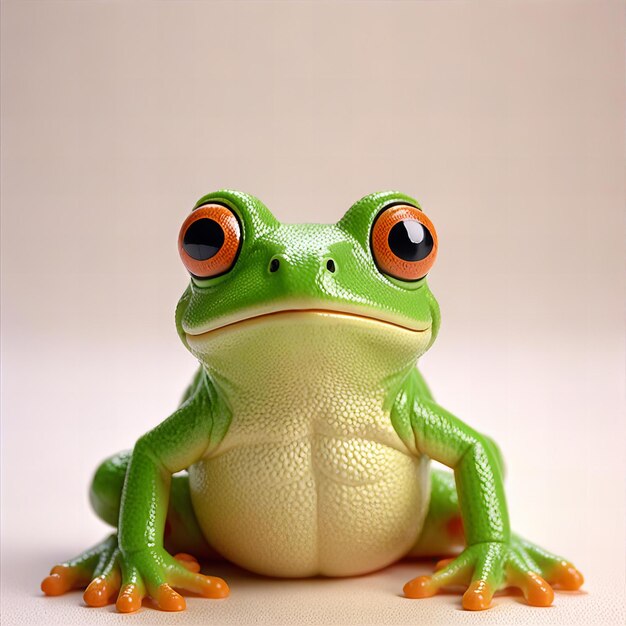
{"x": 344, "y": 345}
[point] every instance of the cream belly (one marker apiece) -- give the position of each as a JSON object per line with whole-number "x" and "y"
{"x": 318, "y": 505}
{"x": 311, "y": 477}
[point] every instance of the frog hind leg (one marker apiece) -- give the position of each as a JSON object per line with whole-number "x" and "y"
{"x": 98, "y": 567}
{"x": 442, "y": 534}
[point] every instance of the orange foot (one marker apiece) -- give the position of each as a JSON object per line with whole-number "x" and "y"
{"x": 564, "y": 575}
{"x": 536, "y": 590}
{"x": 478, "y": 596}
{"x": 188, "y": 561}
{"x": 103, "y": 589}
{"x": 100, "y": 571}
{"x": 485, "y": 568}
{"x": 129, "y": 599}
{"x": 63, "y": 578}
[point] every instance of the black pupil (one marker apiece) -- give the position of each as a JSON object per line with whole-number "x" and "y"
{"x": 410, "y": 240}
{"x": 203, "y": 239}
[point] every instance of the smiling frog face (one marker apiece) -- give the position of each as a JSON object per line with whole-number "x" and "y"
{"x": 249, "y": 270}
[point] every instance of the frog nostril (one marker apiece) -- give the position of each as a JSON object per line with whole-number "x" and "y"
{"x": 274, "y": 265}
{"x": 330, "y": 265}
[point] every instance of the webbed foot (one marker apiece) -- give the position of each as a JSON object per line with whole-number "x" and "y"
{"x": 110, "y": 577}
{"x": 486, "y": 567}
{"x": 80, "y": 571}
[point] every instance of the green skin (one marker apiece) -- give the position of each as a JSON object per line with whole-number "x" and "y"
{"x": 153, "y": 503}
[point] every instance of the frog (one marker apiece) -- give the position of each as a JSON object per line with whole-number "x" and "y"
{"x": 304, "y": 444}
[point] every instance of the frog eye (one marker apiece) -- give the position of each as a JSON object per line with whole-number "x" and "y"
{"x": 209, "y": 241}
{"x": 404, "y": 242}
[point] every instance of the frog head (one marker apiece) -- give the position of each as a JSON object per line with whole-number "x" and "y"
{"x": 364, "y": 276}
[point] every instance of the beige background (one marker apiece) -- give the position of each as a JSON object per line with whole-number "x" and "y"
{"x": 505, "y": 119}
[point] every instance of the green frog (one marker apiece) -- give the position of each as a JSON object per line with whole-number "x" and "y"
{"x": 302, "y": 446}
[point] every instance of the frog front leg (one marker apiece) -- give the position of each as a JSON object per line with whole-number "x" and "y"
{"x": 147, "y": 568}
{"x": 138, "y": 562}
{"x": 98, "y": 568}
{"x": 493, "y": 558}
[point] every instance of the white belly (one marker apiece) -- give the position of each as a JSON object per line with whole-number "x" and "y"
{"x": 311, "y": 477}
{"x": 319, "y": 505}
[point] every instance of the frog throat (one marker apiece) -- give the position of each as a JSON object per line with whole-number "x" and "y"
{"x": 311, "y": 349}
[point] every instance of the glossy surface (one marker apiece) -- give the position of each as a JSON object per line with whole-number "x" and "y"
{"x": 203, "y": 239}
{"x": 307, "y": 431}
{"x": 410, "y": 241}
{"x": 209, "y": 241}
{"x": 404, "y": 242}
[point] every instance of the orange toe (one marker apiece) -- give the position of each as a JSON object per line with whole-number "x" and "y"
{"x": 100, "y": 592}
{"x": 214, "y": 587}
{"x": 62, "y": 578}
{"x": 441, "y": 564}
{"x": 420, "y": 587}
{"x": 129, "y": 599}
{"x": 188, "y": 561}
{"x": 54, "y": 585}
{"x": 169, "y": 600}
{"x": 537, "y": 591}
{"x": 566, "y": 576}
{"x": 478, "y": 596}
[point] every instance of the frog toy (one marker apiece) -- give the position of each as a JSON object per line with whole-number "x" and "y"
{"x": 302, "y": 446}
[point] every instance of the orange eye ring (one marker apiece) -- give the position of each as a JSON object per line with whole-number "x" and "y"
{"x": 209, "y": 241}
{"x": 404, "y": 242}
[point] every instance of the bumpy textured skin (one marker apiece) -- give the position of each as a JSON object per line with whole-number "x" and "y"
{"x": 307, "y": 434}
{"x": 307, "y": 482}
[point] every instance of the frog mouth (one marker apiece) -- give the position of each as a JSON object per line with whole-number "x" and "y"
{"x": 330, "y": 313}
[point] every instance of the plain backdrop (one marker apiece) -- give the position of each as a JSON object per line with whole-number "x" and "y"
{"x": 505, "y": 119}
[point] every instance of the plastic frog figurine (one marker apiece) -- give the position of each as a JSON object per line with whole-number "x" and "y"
{"x": 306, "y": 434}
